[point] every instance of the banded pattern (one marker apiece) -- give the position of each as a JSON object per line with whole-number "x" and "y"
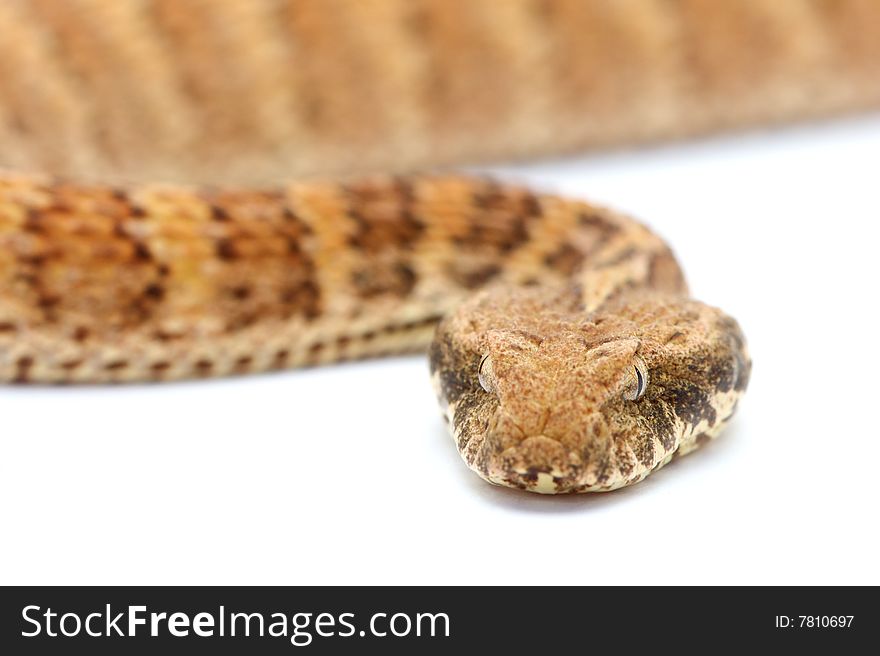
{"x": 103, "y": 284}
{"x": 260, "y": 91}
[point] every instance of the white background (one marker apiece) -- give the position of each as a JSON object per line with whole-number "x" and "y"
{"x": 346, "y": 474}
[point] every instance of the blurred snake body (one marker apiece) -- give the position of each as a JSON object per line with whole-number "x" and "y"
{"x": 564, "y": 348}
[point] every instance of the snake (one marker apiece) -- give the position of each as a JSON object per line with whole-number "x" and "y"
{"x": 193, "y": 190}
{"x": 568, "y": 356}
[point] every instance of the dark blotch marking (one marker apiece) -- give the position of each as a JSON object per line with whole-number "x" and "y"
{"x": 22, "y": 369}
{"x": 490, "y": 196}
{"x": 644, "y": 450}
{"x": 294, "y": 245}
{"x": 473, "y": 278}
{"x": 154, "y": 292}
{"x": 219, "y": 213}
{"x": 658, "y": 415}
{"x": 241, "y": 322}
{"x": 7, "y": 327}
{"x": 160, "y": 367}
{"x": 566, "y": 259}
{"x": 142, "y": 253}
{"x": 397, "y": 279}
{"x": 165, "y": 336}
{"x": 281, "y": 357}
{"x": 406, "y": 276}
{"x": 691, "y": 403}
{"x": 290, "y": 216}
{"x": 625, "y": 460}
{"x": 226, "y": 250}
{"x": 81, "y": 334}
{"x": 204, "y": 367}
{"x": 116, "y": 365}
{"x": 603, "y": 230}
{"x": 531, "y": 205}
{"x": 383, "y": 216}
{"x": 47, "y": 302}
{"x": 531, "y": 474}
{"x": 240, "y": 293}
{"x": 468, "y": 421}
{"x": 458, "y": 370}
{"x": 34, "y": 261}
{"x": 597, "y": 221}
{"x": 305, "y": 297}
{"x": 722, "y": 374}
{"x": 742, "y": 365}
{"x": 731, "y": 327}
{"x": 501, "y": 219}
{"x": 604, "y": 469}
{"x": 744, "y": 373}
{"x": 34, "y": 221}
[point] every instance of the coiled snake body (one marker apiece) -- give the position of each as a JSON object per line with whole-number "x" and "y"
{"x": 568, "y": 356}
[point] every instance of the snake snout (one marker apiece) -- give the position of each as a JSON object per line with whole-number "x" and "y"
{"x": 538, "y": 464}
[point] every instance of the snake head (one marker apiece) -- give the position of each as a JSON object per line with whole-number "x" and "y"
{"x": 553, "y": 401}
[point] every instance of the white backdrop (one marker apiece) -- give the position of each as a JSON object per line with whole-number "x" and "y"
{"x": 346, "y": 474}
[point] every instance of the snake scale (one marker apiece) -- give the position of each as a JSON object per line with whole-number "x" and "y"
{"x": 564, "y": 348}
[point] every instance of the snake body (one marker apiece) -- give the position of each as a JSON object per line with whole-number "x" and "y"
{"x": 581, "y": 365}
{"x": 256, "y": 92}
{"x": 565, "y": 351}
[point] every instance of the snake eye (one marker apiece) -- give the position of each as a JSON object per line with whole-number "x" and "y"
{"x": 486, "y": 374}
{"x": 637, "y": 381}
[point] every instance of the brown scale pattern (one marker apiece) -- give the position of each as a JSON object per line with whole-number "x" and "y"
{"x": 158, "y": 282}
{"x": 259, "y": 91}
